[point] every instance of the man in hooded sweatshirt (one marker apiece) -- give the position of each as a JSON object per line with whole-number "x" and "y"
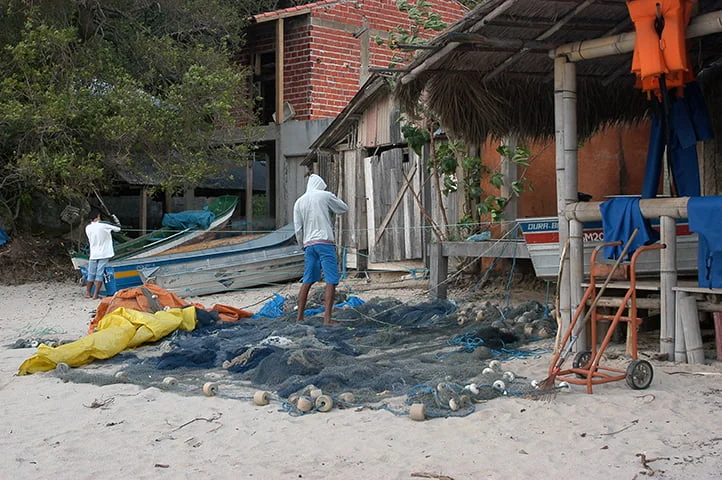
{"x": 313, "y": 219}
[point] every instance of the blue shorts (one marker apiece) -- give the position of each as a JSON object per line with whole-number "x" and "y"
{"x": 319, "y": 257}
{"x": 96, "y": 269}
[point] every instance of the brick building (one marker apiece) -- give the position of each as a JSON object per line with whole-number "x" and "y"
{"x": 308, "y": 62}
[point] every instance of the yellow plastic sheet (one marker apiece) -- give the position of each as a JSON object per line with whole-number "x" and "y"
{"x": 123, "y": 328}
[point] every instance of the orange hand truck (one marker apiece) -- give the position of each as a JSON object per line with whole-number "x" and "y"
{"x": 586, "y": 368}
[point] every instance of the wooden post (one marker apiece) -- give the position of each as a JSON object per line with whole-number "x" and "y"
{"x": 690, "y": 325}
{"x": 249, "y": 193}
{"x": 509, "y": 171}
{"x": 365, "y": 39}
{"x": 168, "y": 201}
{"x": 279, "y": 71}
{"x": 668, "y": 280}
{"x": 680, "y": 351}
{"x": 143, "y": 210}
{"x": 718, "y": 333}
{"x": 565, "y": 311}
{"x": 189, "y": 199}
{"x": 439, "y": 268}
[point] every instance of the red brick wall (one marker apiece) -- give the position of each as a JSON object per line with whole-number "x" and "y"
{"x": 322, "y": 65}
{"x": 336, "y": 53}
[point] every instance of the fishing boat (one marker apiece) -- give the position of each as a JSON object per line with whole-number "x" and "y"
{"x": 240, "y": 262}
{"x": 229, "y": 272}
{"x": 167, "y": 238}
{"x": 541, "y": 235}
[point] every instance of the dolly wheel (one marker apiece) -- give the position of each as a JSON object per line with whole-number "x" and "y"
{"x": 581, "y": 360}
{"x": 324, "y": 403}
{"x": 417, "y": 412}
{"x": 261, "y": 398}
{"x": 210, "y": 389}
{"x": 639, "y": 374}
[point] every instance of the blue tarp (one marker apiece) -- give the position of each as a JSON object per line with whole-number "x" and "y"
{"x": 689, "y": 123}
{"x": 705, "y": 219}
{"x": 620, "y": 216}
{"x": 274, "y": 307}
{"x": 189, "y": 219}
{"x": 3, "y": 237}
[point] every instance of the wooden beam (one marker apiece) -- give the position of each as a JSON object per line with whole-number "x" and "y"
{"x": 449, "y": 47}
{"x": 279, "y": 71}
{"x": 479, "y": 39}
{"x": 546, "y": 34}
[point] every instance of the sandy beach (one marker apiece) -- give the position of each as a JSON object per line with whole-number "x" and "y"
{"x": 73, "y": 430}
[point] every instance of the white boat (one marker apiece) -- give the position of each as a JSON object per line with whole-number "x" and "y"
{"x": 541, "y": 235}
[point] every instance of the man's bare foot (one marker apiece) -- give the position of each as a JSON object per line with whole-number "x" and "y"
{"x": 96, "y": 297}
{"x": 87, "y": 295}
{"x": 331, "y": 323}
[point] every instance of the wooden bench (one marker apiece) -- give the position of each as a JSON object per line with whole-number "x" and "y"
{"x": 688, "y": 337}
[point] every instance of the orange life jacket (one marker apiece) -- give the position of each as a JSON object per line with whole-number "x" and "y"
{"x": 665, "y": 52}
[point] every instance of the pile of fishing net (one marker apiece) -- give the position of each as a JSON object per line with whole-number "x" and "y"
{"x": 386, "y": 354}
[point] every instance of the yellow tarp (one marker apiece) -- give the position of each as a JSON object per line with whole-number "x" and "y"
{"x": 123, "y": 328}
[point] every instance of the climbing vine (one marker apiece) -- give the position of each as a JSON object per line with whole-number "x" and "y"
{"x": 451, "y": 165}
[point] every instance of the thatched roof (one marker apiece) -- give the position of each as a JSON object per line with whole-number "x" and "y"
{"x": 492, "y": 73}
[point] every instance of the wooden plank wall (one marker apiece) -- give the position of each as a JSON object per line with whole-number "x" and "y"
{"x": 352, "y": 227}
{"x": 400, "y": 238}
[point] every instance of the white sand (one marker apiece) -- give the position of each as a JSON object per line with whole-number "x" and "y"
{"x": 48, "y": 430}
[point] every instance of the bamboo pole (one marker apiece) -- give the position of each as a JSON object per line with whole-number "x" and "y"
{"x": 680, "y": 351}
{"x": 571, "y": 187}
{"x": 668, "y": 280}
{"x": 699, "y": 26}
{"x": 565, "y": 309}
{"x": 650, "y": 208}
{"x": 576, "y": 275}
{"x": 690, "y": 325}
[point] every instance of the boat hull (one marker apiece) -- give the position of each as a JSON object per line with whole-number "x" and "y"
{"x": 126, "y": 273}
{"x": 234, "y": 272}
{"x": 541, "y": 235}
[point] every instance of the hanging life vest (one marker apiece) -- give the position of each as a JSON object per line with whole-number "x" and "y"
{"x": 660, "y": 47}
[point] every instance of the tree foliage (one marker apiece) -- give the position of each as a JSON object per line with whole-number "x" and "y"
{"x": 89, "y": 88}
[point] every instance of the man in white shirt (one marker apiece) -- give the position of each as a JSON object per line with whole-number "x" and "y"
{"x": 313, "y": 218}
{"x": 101, "y": 251}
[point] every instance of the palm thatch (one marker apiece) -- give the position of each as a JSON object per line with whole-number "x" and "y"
{"x": 492, "y": 73}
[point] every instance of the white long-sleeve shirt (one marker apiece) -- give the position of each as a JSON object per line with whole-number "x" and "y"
{"x": 100, "y": 239}
{"x": 312, "y": 213}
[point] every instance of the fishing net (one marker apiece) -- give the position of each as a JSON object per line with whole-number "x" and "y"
{"x": 386, "y": 354}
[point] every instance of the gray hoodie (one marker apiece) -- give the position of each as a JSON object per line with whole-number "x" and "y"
{"x": 312, "y": 213}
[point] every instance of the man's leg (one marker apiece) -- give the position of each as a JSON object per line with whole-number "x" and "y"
{"x": 89, "y": 289}
{"x": 329, "y": 294}
{"x": 302, "y": 299}
{"x": 98, "y": 284}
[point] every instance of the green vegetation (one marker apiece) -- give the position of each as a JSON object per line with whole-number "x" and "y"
{"x": 90, "y": 88}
